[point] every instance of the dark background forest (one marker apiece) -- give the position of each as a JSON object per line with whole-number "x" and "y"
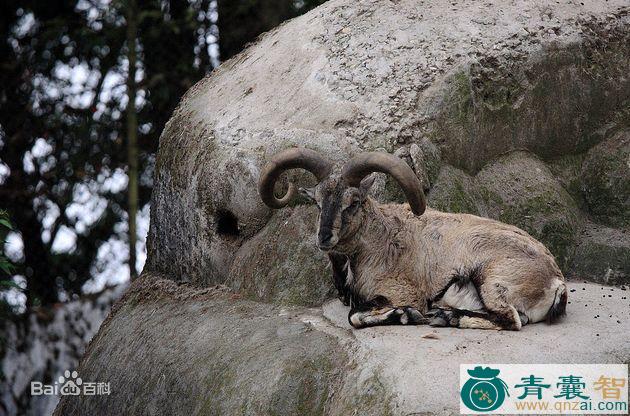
{"x": 86, "y": 87}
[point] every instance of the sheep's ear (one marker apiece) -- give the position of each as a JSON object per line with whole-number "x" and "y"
{"x": 366, "y": 184}
{"x": 308, "y": 193}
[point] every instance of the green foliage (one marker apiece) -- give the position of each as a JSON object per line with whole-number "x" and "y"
{"x": 62, "y": 89}
{"x": 6, "y": 268}
{"x": 5, "y": 226}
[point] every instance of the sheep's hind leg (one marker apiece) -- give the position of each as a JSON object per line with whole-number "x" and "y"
{"x": 465, "y": 305}
{"x": 502, "y": 313}
{"x": 478, "y": 320}
{"x": 379, "y": 311}
{"x": 482, "y": 319}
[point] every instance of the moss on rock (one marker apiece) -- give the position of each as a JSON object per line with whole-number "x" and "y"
{"x": 568, "y": 171}
{"x": 520, "y": 189}
{"x": 392, "y": 192}
{"x": 206, "y": 353}
{"x": 282, "y": 264}
{"x": 365, "y": 393}
{"x": 606, "y": 180}
{"x": 554, "y": 103}
{"x": 304, "y": 386}
{"x": 602, "y": 254}
{"x": 426, "y": 160}
{"x": 454, "y": 191}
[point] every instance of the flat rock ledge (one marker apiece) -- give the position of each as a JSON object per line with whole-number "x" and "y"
{"x": 171, "y": 349}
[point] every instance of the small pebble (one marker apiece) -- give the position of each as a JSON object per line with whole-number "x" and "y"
{"x": 572, "y": 290}
{"x": 618, "y": 321}
{"x": 597, "y": 334}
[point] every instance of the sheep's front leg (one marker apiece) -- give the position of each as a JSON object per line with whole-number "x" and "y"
{"x": 379, "y": 311}
{"x": 339, "y": 264}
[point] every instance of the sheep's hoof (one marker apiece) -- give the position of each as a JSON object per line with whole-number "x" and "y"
{"x": 524, "y": 318}
{"x": 432, "y": 312}
{"x": 344, "y": 299}
{"x": 412, "y": 316}
{"x": 440, "y": 318}
{"x": 438, "y": 321}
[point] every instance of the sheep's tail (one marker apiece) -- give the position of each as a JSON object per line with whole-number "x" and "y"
{"x": 559, "y": 306}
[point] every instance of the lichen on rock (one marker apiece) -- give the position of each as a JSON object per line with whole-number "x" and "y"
{"x": 455, "y": 191}
{"x": 521, "y": 190}
{"x": 606, "y": 180}
{"x": 601, "y": 254}
{"x": 282, "y": 263}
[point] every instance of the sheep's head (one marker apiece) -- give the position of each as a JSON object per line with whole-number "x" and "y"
{"x": 341, "y": 209}
{"x": 339, "y": 197}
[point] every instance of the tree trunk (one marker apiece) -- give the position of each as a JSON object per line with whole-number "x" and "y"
{"x": 132, "y": 134}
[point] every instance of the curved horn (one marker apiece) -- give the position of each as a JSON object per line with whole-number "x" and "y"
{"x": 362, "y": 165}
{"x": 285, "y": 160}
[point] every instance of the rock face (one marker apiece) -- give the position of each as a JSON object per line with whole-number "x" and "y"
{"x": 236, "y": 357}
{"x": 45, "y": 345}
{"x": 514, "y": 110}
{"x": 520, "y": 189}
{"x": 605, "y": 183}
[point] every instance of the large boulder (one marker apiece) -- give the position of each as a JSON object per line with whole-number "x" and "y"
{"x": 177, "y": 350}
{"x": 453, "y": 90}
{"x": 505, "y": 109}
